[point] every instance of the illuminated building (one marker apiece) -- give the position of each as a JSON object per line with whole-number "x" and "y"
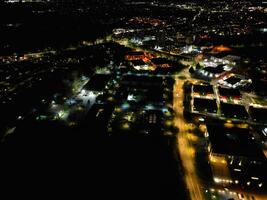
{"x": 235, "y": 158}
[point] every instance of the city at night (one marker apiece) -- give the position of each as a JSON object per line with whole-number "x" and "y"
{"x": 133, "y": 99}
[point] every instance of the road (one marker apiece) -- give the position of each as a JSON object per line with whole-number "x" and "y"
{"x": 186, "y": 151}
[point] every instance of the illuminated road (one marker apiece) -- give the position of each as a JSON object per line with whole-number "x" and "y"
{"x": 187, "y": 152}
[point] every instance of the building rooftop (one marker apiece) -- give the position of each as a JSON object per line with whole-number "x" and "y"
{"x": 138, "y": 62}
{"x": 203, "y": 89}
{"x": 258, "y": 114}
{"x": 233, "y": 142}
{"x": 233, "y": 80}
{"x": 215, "y": 70}
{"x": 229, "y": 92}
{"x": 205, "y": 105}
{"x": 234, "y": 111}
{"x": 159, "y": 61}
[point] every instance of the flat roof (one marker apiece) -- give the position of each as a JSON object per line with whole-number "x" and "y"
{"x": 229, "y": 92}
{"x": 233, "y": 80}
{"x": 233, "y": 142}
{"x": 97, "y": 82}
{"x": 215, "y": 70}
{"x": 203, "y": 89}
{"x": 138, "y": 62}
{"x": 205, "y": 105}
{"x": 258, "y": 114}
{"x": 234, "y": 111}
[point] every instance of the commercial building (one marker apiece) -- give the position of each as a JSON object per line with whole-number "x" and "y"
{"x": 258, "y": 115}
{"x": 204, "y": 90}
{"x": 204, "y": 106}
{"x": 234, "y": 81}
{"x": 211, "y": 72}
{"x": 235, "y": 158}
{"x": 229, "y": 94}
{"x": 234, "y": 111}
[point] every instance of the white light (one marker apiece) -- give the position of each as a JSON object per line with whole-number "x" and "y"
{"x": 201, "y": 119}
{"x": 83, "y": 92}
{"x": 237, "y": 170}
{"x": 216, "y": 180}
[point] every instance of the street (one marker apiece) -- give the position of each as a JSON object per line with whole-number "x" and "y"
{"x": 187, "y": 153}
